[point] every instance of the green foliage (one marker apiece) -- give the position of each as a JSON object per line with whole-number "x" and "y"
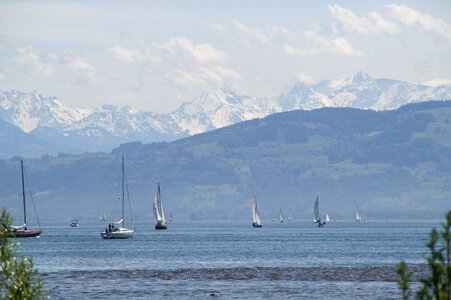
{"x": 18, "y": 278}
{"x": 403, "y": 281}
{"x": 437, "y": 286}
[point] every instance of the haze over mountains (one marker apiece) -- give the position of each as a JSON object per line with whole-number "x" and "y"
{"x": 392, "y": 164}
{"x": 47, "y": 125}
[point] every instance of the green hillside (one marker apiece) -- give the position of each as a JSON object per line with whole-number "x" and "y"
{"x": 392, "y": 164}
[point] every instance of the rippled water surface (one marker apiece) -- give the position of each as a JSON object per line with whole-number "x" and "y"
{"x": 345, "y": 260}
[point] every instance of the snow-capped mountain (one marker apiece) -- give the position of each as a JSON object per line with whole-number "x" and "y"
{"x": 361, "y": 91}
{"x": 103, "y": 127}
{"x": 220, "y": 109}
{"x": 31, "y": 110}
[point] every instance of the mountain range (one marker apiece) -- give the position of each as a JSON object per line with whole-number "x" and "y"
{"x": 51, "y": 126}
{"x": 392, "y": 164}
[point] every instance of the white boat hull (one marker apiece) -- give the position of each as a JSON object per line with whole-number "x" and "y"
{"x": 122, "y": 233}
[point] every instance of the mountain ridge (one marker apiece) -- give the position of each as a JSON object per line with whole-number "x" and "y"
{"x": 101, "y": 128}
{"x": 392, "y": 164}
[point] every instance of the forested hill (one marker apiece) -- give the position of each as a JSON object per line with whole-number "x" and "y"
{"x": 390, "y": 163}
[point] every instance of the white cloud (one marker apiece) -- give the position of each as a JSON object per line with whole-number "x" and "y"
{"x": 253, "y": 35}
{"x": 143, "y": 55}
{"x": 62, "y": 64}
{"x": 411, "y": 17}
{"x": 305, "y": 78}
{"x": 37, "y": 62}
{"x": 319, "y": 44}
{"x": 383, "y": 25}
{"x": 361, "y": 25}
{"x": 81, "y": 64}
{"x": 206, "y": 79}
{"x": 202, "y": 53}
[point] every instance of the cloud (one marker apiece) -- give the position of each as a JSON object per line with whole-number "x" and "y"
{"x": 52, "y": 64}
{"x": 143, "y": 55}
{"x": 202, "y": 53}
{"x": 319, "y": 44}
{"x": 411, "y": 17}
{"x": 80, "y": 64}
{"x": 305, "y": 78}
{"x": 361, "y": 25}
{"x": 205, "y": 78}
{"x": 37, "y": 62}
{"x": 253, "y": 35}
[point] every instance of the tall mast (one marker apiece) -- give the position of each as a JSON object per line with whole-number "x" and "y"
{"x": 123, "y": 182}
{"x": 23, "y": 196}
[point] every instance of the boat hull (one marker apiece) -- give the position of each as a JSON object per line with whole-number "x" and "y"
{"x": 118, "y": 235}
{"x": 161, "y": 226}
{"x": 25, "y": 233}
{"x": 257, "y": 225}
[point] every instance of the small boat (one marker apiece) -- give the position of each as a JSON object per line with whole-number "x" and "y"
{"x": 158, "y": 212}
{"x": 117, "y": 230}
{"x": 74, "y": 223}
{"x": 22, "y": 231}
{"x": 290, "y": 217}
{"x": 256, "y": 222}
{"x": 281, "y": 216}
{"x": 102, "y": 218}
{"x": 316, "y": 217}
{"x": 327, "y": 218}
{"x": 358, "y": 217}
{"x": 170, "y": 217}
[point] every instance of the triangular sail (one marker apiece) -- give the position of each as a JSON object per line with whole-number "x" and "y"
{"x": 255, "y": 215}
{"x": 316, "y": 217}
{"x": 327, "y": 218}
{"x": 357, "y": 215}
{"x": 158, "y": 208}
{"x": 281, "y": 216}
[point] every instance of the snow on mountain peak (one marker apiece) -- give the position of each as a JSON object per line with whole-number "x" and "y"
{"x": 437, "y": 82}
{"x": 210, "y": 110}
{"x": 361, "y": 77}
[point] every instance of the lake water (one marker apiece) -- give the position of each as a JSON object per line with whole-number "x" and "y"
{"x": 195, "y": 260}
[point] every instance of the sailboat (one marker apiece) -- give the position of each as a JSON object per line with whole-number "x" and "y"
{"x": 117, "y": 230}
{"x": 316, "y": 217}
{"x": 327, "y": 218}
{"x": 281, "y": 216}
{"x": 102, "y": 218}
{"x": 22, "y": 231}
{"x": 290, "y": 217}
{"x": 256, "y": 222}
{"x": 158, "y": 212}
{"x": 74, "y": 223}
{"x": 358, "y": 217}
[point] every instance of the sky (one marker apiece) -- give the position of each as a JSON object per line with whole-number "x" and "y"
{"x": 155, "y": 55}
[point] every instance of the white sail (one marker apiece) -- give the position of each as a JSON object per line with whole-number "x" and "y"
{"x": 255, "y": 215}
{"x": 327, "y": 218}
{"x": 357, "y": 215}
{"x": 316, "y": 217}
{"x": 290, "y": 217}
{"x": 158, "y": 208}
{"x": 281, "y": 216}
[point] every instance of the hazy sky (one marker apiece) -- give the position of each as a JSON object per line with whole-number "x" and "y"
{"x": 153, "y": 55}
